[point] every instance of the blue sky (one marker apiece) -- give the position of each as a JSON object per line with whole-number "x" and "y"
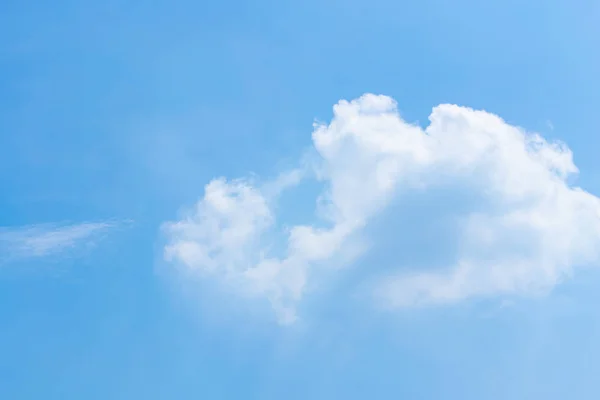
{"x": 184, "y": 213}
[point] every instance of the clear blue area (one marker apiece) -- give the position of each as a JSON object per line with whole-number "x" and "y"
{"x": 126, "y": 109}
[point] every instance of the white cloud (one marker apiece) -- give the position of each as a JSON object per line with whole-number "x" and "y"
{"x": 534, "y": 230}
{"x": 48, "y": 239}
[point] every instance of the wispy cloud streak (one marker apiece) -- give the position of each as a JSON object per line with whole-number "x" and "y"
{"x": 34, "y": 241}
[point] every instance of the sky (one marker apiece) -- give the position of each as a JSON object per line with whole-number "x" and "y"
{"x": 299, "y": 200}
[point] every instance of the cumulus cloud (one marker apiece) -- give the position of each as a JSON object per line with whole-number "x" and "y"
{"x": 48, "y": 239}
{"x": 533, "y": 230}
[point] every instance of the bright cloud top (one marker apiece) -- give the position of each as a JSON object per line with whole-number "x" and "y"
{"x": 534, "y": 230}
{"x": 48, "y": 239}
